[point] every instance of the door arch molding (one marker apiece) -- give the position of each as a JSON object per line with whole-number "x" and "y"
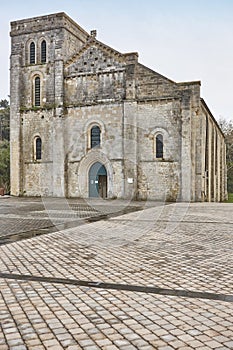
{"x": 83, "y": 173}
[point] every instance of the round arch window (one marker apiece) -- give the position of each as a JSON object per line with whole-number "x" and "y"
{"x": 95, "y": 136}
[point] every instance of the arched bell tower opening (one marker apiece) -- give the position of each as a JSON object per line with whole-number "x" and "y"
{"x": 98, "y": 181}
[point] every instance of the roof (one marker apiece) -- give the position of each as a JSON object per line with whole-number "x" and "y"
{"x": 204, "y": 104}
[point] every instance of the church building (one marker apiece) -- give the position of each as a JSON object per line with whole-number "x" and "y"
{"x": 89, "y": 121}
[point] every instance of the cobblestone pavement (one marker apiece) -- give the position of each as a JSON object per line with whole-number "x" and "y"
{"x": 34, "y": 216}
{"x": 160, "y": 278}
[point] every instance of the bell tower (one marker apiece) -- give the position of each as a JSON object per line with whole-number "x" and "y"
{"x": 39, "y": 48}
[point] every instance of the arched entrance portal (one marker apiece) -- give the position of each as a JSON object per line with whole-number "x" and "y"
{"x": 98, "y": 181}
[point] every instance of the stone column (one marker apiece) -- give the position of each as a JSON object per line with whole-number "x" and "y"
{"x": 224, "y": 172}
{"x": 186, "y": 164}
{"x": 218, "y": 176}
{"x": 199, "y": 149}
{"x": 15, "y": 126}
{"x": 130, "y": 134}
{"x": 210, "y": 160}
{"x": 203, "y": 141}
{"x": 214, "y": 165}
{"x": 130, "y": 145}
{"x": 58, "y": 132}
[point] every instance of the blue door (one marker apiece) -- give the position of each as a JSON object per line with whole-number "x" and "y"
{"x": 98, "y": 181}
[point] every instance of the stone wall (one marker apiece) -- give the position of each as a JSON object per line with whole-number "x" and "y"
{"x": 37, "y": 174}
{"x": 79, "y": 121}
{"x": 159, "y": 178}
{"x": 94, "y": 75}
{"x": 150, "y": 84}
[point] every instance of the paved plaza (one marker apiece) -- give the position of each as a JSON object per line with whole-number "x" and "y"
{"x": 115, "y": 275}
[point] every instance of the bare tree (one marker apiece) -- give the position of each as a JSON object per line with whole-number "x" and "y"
{"x": 227, "y": 128}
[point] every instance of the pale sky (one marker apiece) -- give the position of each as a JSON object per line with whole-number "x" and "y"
{"x": 184, "y": 40}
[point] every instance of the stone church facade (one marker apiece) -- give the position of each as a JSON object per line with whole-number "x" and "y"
{"x": 89, "y": 121}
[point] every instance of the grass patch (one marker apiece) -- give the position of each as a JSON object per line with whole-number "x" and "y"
{"x": 230, "y": 198}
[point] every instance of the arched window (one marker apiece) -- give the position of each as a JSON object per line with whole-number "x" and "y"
{"x": 38, "y": 148}
{"x": 43, "y": 51}
{"x": 32, "y": 53}
{"x": 159, "y": 146}
{"x": 95, "y": 136}
{"x": 37, "y": 91}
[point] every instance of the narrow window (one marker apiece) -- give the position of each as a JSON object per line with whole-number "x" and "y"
{"x": 38, "y": 150}
{"x": 32, "y": 53}
{"x": 37, "y": 91}
{"x": 95, "y": 136}
{"x": 159, "y": 146}
{"x": 43, "y": 51}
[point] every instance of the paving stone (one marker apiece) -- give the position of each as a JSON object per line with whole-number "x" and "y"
{"x": 222, "y": 339}
{"x": 196, "y": 257}
{"x": 111, "y": 347}
{"x": 103, "y": 342}
{"x": 15, "y": 342}
{"x": 229, "y": 344}
{"x": 213, "y": 344}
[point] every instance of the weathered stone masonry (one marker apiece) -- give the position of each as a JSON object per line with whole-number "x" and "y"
{"x": 156, "y": 139}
